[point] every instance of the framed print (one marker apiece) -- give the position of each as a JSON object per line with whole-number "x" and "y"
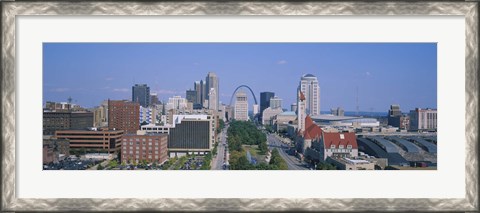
{"x": 240, "y": 106}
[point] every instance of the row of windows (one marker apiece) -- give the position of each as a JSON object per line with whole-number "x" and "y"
{"x": 137, "y": 152}
{"x": 138, "y": 143}
{"x": 138, "y": 139}
{"x": 340, "y": 146}
{"x": 138, "y": 157}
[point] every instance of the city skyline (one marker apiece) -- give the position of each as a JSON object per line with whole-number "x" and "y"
{"x": 384, "y": 73}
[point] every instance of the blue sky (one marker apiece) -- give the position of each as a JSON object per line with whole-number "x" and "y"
{"x": 385, "y": 73}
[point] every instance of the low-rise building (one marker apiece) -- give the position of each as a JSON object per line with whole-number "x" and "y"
{"x": 282, "y": 120}
{"x": 92, "y": 141}
{"x": 343, "y": 163}
{"x": 54, "y": 150}
{"x": 148, "y": 147}
{"x": 269, "y": 114}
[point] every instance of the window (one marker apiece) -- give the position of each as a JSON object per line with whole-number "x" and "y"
{"x": 131, "y": 143}
{"x": 124, "y": 152}
{"x": 332, "y": 146}
{"x": 124, "y": 143}
{"x": 149, "y": 139}
{"x": 124, "y": 147}
{"x": 131, "y": 152}
{"x": 349, "y": 146}
{"x": 149, "y": 143}
{"x": 341, "y": 147}
{"x": 342, "y": 136}
{"x": 143, "y": 139}
{"x": 137, "y": 152}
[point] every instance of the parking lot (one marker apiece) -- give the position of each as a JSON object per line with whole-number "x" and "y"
{"x": 71, "y": 164}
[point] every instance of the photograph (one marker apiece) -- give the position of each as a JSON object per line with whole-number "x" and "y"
{"x": 239, "y": 106}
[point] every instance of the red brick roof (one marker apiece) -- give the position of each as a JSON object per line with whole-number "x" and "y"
{"x": 333, "y": 138}
{"x": 312, "y": 130}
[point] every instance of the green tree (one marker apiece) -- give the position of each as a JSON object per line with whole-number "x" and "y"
{"x": 100, "y": 167}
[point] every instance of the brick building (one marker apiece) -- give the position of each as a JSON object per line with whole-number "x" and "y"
{"x": 149, "y": 147}
{"x": 92, "y": 141}
{"x": 124, "y": 115}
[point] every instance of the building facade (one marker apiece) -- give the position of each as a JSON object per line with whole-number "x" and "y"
{"x": 423, "y": 119}
{"x": 191, "y": 96}
{"x": 148, "y": 147}
{"x": 148, "y": 115}
{"x": 100, "y": 114}
{"x": 141, "y": 94}
{"x": 200, "y": 90}
{"x": 191, "y": 136}
{"x": 241, "y": 106}
{"x": 176, "y": 103}
{"x": 275, "y": 102}
{"x": 53, "y": 121}
{"x": 92, "y": 141}
{"x": 269, "y": 114}
{"x": 311, "y": 90}
{"x": 123, "y": 115}
{"x": 55, "y": 149}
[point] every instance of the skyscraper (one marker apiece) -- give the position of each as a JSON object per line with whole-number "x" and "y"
{"x": 310, "y": 89}
{"x": 394, "y": 115}
{"x": 265, "y": 101}
{"x": 199, "y": 87}
{"x": 141, "y": 94}
{"x": 212, "y": 82}
{"x": 241, "y": 106}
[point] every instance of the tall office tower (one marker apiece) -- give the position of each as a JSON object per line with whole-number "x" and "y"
{"x": 275, "y": 102}
{"x": 141, "y": 94}
{"x": 200, "y": 87}
{"x": 212, "y": 101}
{"x": 241, "y": 106}
{"x": 301, "y": 114}
{"x": 310, "y": 89}
{"x": 154, "y": 99}
{"x": 212, "y": 82}
{"x": 265, "y": 101}
{"x": 123, "y": 115}
{"x": 394, "y": 115}
{"x": 191, "y": 96}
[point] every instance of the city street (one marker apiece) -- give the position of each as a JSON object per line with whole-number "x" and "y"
{"x": 292, "y": 162}
{"x": 217, "y": 162}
